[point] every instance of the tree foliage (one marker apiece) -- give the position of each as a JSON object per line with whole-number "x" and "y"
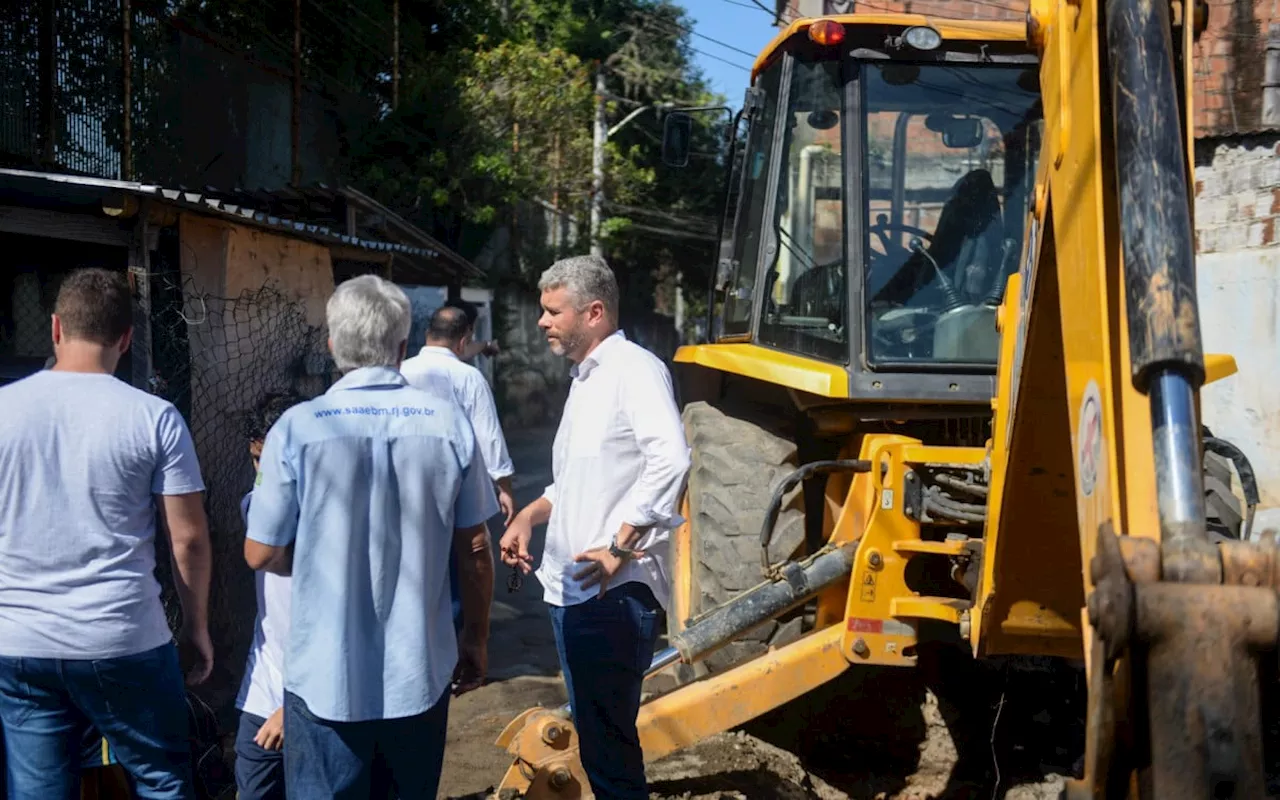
{"x": 494, "y": 112}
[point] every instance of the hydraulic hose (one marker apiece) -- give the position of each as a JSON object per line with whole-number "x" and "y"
{"x": 787, "y": 484}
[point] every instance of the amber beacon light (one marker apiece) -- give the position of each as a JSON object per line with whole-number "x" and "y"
{"x": 826, "y": 32}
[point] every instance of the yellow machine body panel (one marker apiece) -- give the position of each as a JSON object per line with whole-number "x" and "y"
{"x": 771, "y": 366}
{"x": 952, "y": 29}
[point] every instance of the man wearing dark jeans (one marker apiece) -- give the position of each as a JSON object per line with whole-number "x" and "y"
{"x": 361, "y": 493}
{"x": 619, "y": 462}
{"x": 84, "y": 643}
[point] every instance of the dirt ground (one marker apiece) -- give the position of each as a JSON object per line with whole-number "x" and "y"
{"x": 947, "y": 730}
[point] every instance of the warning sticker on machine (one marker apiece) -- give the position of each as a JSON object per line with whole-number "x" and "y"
{"x": 1089, "y": 439}
{"x": 868, "y": 593}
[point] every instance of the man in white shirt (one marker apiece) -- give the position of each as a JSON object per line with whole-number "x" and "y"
{"x": 619, "y": 463}
{"x": 439, "y": 368}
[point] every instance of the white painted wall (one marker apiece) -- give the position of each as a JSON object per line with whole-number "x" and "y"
{"x": 1239, "y": 293}
{"x": 1238, "y": 282}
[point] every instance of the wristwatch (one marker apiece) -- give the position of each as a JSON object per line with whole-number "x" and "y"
{"x": 620, "y": 552}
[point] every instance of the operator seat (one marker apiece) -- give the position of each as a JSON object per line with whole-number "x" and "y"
{"x": 968, "y": 232}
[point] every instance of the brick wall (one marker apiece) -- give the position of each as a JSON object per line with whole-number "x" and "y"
{"x": 1237, "y": 193}
{"x": 1230, "y": 68}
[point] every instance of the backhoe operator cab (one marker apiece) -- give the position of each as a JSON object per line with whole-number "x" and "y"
{"x": 877, "y": 202}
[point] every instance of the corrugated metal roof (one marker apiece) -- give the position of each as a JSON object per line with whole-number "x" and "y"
{"x": 244, "y": 207}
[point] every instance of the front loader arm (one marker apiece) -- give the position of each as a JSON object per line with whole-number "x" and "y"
{"x": 1106, "y": 298}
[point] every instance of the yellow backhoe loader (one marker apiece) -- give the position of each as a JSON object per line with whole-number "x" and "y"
{"x": 953, "y": 385}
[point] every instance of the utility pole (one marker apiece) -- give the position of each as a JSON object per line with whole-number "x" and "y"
{"x": 600, "y": 135}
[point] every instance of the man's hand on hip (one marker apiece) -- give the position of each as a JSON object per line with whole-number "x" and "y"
{"x": 599, "y": 567}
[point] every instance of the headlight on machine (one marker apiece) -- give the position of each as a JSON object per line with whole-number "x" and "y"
{"x": 922, "y": 37}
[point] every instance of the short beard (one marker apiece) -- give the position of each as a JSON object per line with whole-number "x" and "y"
{"x": 569, "y": 342}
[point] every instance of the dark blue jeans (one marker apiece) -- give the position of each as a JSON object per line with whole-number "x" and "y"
{"x": 606, "y": 645}
{"x": 326, "y": 760}
{"x": 259, "y": 772}
{"x": 138, "y": 704}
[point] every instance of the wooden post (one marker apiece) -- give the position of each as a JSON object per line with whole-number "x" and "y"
{"x": 395, "y": 54}
{"x": 126, "y": 67}
{"x": 295, "y": 123}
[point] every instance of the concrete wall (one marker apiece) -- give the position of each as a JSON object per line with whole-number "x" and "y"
{"x": 1238, "y": 280}
{"x": 532, "y": 382}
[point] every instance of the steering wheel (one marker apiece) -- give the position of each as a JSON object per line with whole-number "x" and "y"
{"x": 883, "y": 224}
{"x": 903, "y": 328}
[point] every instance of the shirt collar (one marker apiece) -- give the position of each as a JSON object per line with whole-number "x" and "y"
{"x": 369, "y": 378}
{"x": 599, "y": 355}
{"x": 436, "y": 350}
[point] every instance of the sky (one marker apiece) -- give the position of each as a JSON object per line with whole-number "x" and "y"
{"x": 741, "y": 30}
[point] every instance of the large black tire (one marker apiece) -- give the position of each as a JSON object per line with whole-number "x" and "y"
{"x": 736, "y": 464}
{"x": 1223, "y": 511}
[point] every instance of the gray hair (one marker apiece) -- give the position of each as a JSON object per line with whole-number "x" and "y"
{"x": 586, "y": 279}
{"x": 369, "y": 318}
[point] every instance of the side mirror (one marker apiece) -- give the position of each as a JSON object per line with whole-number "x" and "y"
{"x": 963, "y": 132}
{"x": 677, "y": 139}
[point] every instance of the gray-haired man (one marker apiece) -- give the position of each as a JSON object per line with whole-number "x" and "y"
{"x": 361, "y": 492}
{"x": 619, "y": 462}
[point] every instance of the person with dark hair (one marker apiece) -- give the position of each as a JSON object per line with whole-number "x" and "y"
{"x": 260, "y": 736}
{"x": 473, "y": 348}
{"x": 438, "y": 368}
{"x": 93, "y": 468}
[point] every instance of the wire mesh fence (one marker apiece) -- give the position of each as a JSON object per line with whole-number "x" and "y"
{"x": 215, "y": 358}
{"x": 27, "y": 332}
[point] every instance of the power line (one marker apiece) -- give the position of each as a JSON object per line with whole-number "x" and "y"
{"x": 753, "y": 6}
{"x": 722, "y": 44}
{"x": 718, "y": 58}
{"x": 687, "y": 29}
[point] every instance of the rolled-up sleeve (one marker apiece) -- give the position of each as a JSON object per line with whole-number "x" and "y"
{"x": 273, "y": 514}
{"x": 649, "y": 403}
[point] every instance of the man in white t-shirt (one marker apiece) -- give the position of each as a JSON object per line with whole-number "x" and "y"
{"x": 260, "y": 735}
{"x": 89, "y": 464}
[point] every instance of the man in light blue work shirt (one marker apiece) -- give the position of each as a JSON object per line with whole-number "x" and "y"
{"x": 360, "y": 494}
